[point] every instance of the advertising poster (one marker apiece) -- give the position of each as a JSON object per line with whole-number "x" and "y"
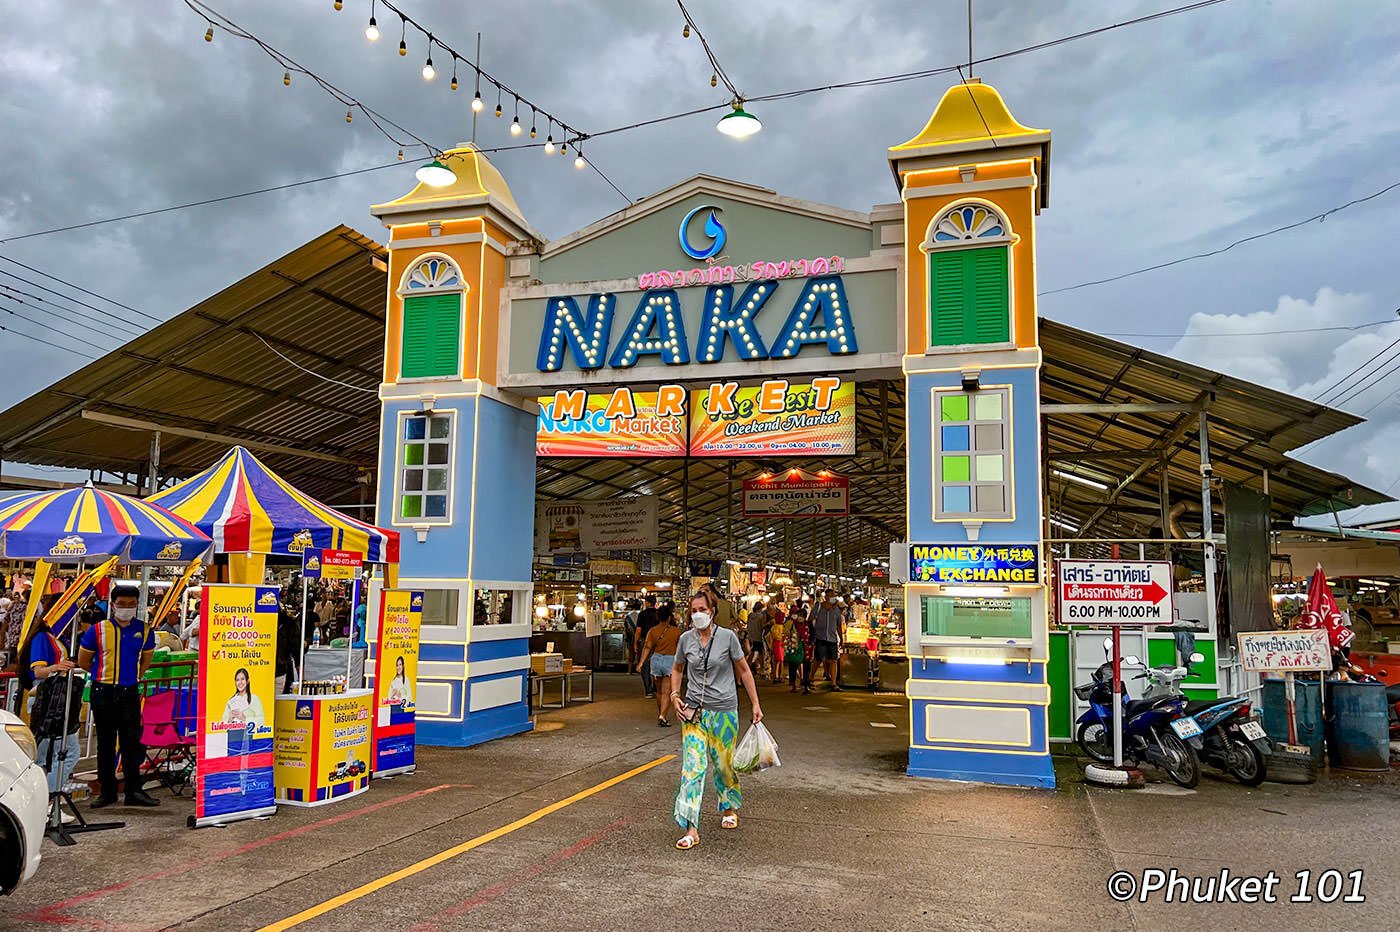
{"x": 340, "y": 564}
{"x": 323, "y": 747}
{"x": 614, "y": 524}
{"x": 396, "y": 680}
{"x": 806, "y": 418}
{"x": 233, "y": 751}
{"x": 797, "y": 494}
{"x": 612, "y": 425}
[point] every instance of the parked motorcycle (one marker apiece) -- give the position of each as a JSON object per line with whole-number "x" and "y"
{"x": 1224, "y": 732}
{"x": 1150, "y": 727}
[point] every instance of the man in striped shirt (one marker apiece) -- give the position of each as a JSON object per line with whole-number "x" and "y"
{"x": 116, "y": 651}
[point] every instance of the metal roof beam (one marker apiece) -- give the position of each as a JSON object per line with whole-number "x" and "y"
{"x": 133, "y": 424}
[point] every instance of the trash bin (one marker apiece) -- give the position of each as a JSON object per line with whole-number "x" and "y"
{"x": 1309, "y": 714}
{"x": 1358, "y": 726}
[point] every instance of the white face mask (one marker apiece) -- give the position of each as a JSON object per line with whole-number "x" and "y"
{"x": 123, "y": 614}
{"x": 700, "y": 620}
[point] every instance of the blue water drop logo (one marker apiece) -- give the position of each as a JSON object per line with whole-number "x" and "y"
{"x": 714, "y": 230}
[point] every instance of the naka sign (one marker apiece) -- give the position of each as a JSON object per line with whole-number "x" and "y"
{"x": 582, "y": 327}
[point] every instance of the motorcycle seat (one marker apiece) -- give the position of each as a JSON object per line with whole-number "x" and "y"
{"x": 1138, "y": 706}
{"x": 1200, "y": 705}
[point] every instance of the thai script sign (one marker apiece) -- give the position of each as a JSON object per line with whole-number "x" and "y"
{"x": 944, "y": 564}
{"x": 1114, "y": 592}
{"x": 714, "y": 274}
{"x": 797, "y": 493}
{"x": 612, "y": 524}
{"x": 1285, "y": 651}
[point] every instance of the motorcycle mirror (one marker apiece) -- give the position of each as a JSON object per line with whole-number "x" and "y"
{"x": 1131, "y": 660}
{"x": 1108, "y": 645}
{"x": 1198, "y": 657}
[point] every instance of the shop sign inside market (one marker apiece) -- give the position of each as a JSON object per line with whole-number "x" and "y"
{"x": 814, "y": 417}
{"x": 797, "y": 493}
{"x": 993, "y": 564}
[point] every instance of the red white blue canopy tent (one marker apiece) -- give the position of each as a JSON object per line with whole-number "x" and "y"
{"x": 247, "y": 508}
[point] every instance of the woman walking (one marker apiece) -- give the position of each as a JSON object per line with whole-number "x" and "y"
{"x": 660, "y": 651}
{"x": 714, "y": 659}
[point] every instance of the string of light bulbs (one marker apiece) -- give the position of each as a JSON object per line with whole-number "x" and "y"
{"x": 570, "y": 135}
{"x": 738, "y": 123}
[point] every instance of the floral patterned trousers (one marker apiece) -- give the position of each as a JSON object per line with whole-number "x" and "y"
{"x": 710, "y": 739}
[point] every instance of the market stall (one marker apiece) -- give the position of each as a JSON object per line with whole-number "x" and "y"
{"x": 324, "y": 723}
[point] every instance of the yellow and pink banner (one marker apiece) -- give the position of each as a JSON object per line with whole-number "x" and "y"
{"x": 814, "y": 417}
{"x": 803, "y": 418}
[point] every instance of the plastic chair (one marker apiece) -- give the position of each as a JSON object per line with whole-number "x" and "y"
{"x": 169, "y": 754}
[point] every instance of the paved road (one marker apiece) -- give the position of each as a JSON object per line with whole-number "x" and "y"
{"x": 569, "y": 828}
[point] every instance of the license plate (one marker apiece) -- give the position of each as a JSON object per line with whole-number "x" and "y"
{"x": 1252, "y": 730}
{"x": 1186, "y": 728}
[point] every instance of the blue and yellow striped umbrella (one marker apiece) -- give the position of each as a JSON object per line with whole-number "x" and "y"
{"x": 88, "y": 524}
{"x": 247, "y": 508}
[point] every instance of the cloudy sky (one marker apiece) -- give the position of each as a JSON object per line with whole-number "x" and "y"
{"x": 1171, "y": 138}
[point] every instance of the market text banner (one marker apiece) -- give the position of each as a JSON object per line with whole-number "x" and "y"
{"x": 1114, "y": 592}
{"x": 614, "y": 524}
{"x": 1016, "y": 564}
{"x": 797, "y": 494}
{"x": 624, "y": 423}
{"x": 1285, "y": 651}
{"x": 809, "y": 418}
{"x": 233, "y": 750}
{"x": 396, "y": 680}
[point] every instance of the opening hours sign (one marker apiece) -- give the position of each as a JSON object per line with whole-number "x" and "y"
{"x": 1114, "y": 592}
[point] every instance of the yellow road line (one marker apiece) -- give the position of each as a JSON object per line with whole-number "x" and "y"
{"x": 380, "y": 883}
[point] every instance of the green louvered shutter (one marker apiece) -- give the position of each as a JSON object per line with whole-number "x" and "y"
{"x": 969, "y": 301}
{"x": 432, "y": 336}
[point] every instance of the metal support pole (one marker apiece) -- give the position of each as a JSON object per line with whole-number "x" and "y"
{"x": 152, "y": 482}
{"x": 1207, "y": 529}
{"x": 729, "y": 510}
{"x": 1117, "y": 696}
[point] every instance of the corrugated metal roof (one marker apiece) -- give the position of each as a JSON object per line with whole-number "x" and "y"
{"x": 322, "y": 305}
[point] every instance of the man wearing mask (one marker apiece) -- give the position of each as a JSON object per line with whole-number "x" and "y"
{"x": 646, "y": 620}
{"x": 827, "y": 622}
{"x": 116, "y": 651}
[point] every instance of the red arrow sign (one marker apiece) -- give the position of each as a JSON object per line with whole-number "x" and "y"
{"x": 1152, "y": 592}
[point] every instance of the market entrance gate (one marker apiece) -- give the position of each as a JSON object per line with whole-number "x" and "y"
{"x": 696, "y": 295}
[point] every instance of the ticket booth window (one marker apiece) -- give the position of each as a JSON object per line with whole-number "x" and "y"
{"x": 999, "y": 618}
{"x": 969, "y": 280}
{"x": 431, "y": 343}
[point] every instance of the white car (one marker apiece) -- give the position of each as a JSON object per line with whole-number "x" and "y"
{"x": 24, "y": 803}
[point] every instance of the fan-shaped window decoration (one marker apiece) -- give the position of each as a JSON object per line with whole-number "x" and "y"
{"x": 968, "y": 223}
{"x": 432, "y": 274}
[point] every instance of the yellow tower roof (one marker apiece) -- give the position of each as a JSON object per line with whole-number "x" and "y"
{"x": 478, "y": 182}
{"x": 968, "y": 114}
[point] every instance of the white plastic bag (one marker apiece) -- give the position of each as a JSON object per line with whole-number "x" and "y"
{"x": 756, "y": 751}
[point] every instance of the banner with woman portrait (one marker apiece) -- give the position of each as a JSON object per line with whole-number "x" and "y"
{"x": 233, "y": 750}
{"x": 396, "y": 680}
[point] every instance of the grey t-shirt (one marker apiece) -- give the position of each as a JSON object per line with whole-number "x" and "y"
{"x": 757, "y": 619}
{"x": 711, "y": 683}
{"x": 826, "y": 622}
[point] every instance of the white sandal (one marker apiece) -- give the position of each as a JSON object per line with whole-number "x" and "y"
{"x": 729, "y": 821}
{"x": 687, "y": 842}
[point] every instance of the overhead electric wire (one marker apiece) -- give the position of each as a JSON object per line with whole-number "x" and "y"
{"x": 719, "y": 71}
{"x": 1250, "y": 333}
{"x": 55, "y": 278}
{"x": 67, "y": 313}
{"x": 30, "y": 336}
{"x": 1239, "y": 242}
{"x": 39, "y": 323}
{"x": 1376, "y": 378}
{"x": 694, "y": 111}
{"x": 325, "y": 378}
{"x": 1336, "y": 387}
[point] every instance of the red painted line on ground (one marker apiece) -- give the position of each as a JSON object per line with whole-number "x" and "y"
{"x": 495, "y": 891}
{"x": 53, "y": 913}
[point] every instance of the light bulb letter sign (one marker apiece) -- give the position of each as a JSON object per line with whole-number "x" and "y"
{"x": 586, "y": 335}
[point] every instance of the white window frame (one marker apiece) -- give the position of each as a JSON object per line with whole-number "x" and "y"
{"x": 399, "y": 466}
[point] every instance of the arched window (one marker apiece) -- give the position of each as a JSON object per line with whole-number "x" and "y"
{"x": 969, "y": 276}
{"x": 431, "y": 344}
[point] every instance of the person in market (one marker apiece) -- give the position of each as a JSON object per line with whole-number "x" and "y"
{"x": 659, "y": 654}
{"x": 289, "y": 645}
{"x": 12, "y": 623}
{"x": 44, "y": 663}
{"x": 827, "y": 621}
{"x": 646, "y": 620}
{"x": 797, "y": 649}
{"x": 629, "y": 631}
{"x": 755, "y": 627}
{"x": 713, "y": 661}
{"x": 116, "y": 652}
{"x": 773, "y": 637}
